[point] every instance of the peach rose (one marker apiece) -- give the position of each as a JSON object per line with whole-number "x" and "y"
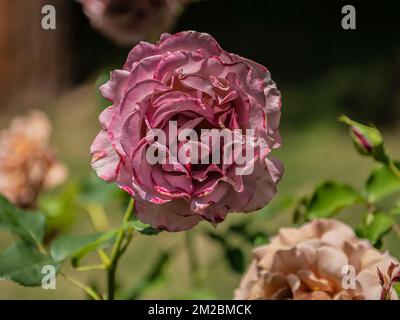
{"x": 321, "y": 260}
{"x": 27, "y": 164}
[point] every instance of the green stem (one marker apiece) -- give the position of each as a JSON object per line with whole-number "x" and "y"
{"x": 193, "y": 261}
{"x": 116, "y": 252}
{"x": 91, "y": 267}
{"x": 396, "y": 229}
{"x": 394, "y": 168}
{"x": 89, "y": 291}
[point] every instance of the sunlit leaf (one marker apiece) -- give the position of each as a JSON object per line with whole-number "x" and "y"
{"x": 381, "y": 184}
{"x": 23, "y": 264}
{"x": 28, "y": 225}
{"x": 329, "y": 198}
{"x": 378, "y": 225}
{"x": 77, "y": 247}
{"x": 143, "y": 228}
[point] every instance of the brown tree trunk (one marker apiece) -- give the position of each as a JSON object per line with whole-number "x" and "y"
{"x": 35, "y": 64}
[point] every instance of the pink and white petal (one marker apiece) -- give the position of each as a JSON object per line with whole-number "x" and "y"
{"x": 178, "y": 62}
{"x": 273, "y": 114}
{"x": 200, "y": 204}
{"x": 172, "y": 216}
{"x": 141, "y": 173}
{"x": 173, "y": 103}
{"x": 130, "y": 103}
{"x": 199, "y": 83}
{"x": 131, "y": 132}
{"x": 171, "y": 186}
{"x": 139, "y": 52}
{"x": 106, "y": 116}
{"x": 202, "y": 175}
{"x": 262, "y": 185}
{"x": 114, "y": 89}
{"x": 259, "y": 70}
{"x": 143, "y": 70}
{"x": 105, "y": 160}
{"x": 192, "y": 41}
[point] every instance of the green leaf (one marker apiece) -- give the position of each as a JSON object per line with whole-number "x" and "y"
{"x": 23, "y": 264}
{"x": 300, "y": 211}
{"x": 154, "y": 276}
{"x": 142, "y": 228}
{"x": 367, "y": 140}
{"x": 260, "y": 239}
{"x": 381, "y": 224}
{"x": 277, "y": 206}
{"x": 381, "y": 183}
{"x": 396, "y": 287}
{"x": 77, "y": 247}
{"x": 329, "y": 198}
{"x": 243, "y": 230}
{"x": 216, "y": 237}
{"x": 233, "y": 255}
{"x": 235, "y": 258}
{"x": 28, "y": 225}
{"x": 60, "y": 207}
{"x": 95, "y": 190}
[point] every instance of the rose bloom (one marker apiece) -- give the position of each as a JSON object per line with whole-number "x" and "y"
{"x": 319, "y": 261}
{"x": 188, "y": 78}
{"x": 27, "y": 164}
{"x": 128, "y": 21}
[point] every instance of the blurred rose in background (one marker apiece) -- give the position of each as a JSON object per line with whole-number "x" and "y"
{"x": 126, "y": 22}
{"x": 27, "y": 163}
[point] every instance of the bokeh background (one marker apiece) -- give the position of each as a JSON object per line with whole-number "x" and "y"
{"x": 321, "y": 70}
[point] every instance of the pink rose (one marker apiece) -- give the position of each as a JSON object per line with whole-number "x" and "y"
{"x": 128, "y": 21}
{"x": 321, "y": 260}
{"x": 187, "y": 78}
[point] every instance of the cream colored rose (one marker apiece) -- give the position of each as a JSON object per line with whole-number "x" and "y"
{"x": 322, "y": 259}
{"x": 27, "y": 164}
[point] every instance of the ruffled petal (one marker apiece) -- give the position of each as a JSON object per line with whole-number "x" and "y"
{"x": 105, "y": 160}
{"x": 172, "y": 216}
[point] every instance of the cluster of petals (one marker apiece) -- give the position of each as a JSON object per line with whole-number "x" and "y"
{"x": 27, "y": 163}
{"x": 189, "y": 79}
{"x": 321, "y": 260}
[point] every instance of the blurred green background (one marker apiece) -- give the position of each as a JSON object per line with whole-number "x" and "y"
{"x": 321, "y": 70}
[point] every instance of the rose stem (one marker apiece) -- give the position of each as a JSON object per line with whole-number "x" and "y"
{"x": 89, "y": 291}
{"x": 193, "y": 262}
{"x": 394, "y": 168}
{"x": 116, "y": 252}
